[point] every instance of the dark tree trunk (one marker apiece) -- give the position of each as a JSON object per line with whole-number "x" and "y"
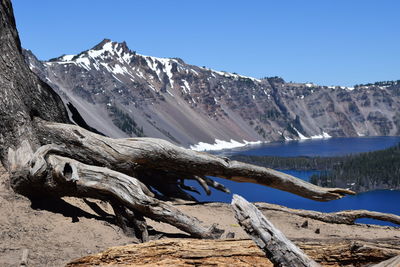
{"x": 22, "y": 94}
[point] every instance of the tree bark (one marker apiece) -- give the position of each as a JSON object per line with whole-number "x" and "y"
{"x": 333, "y": 252}
{"x": 22, "y": 94}
{"x": 280, "y": 250}
{"x": 148, "y": 157}
{"x": 190, "y": 252}
{"x": 179, "y": 252}
{"x": 59, "y": 176}
{"x": 342, "y": 217}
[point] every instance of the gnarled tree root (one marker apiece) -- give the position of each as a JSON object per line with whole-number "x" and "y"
{"x": 134, "y": 173}
{"x": 130, "y": 198}
{"x": 151, "y": 159}
{"x": 341, "y": 217}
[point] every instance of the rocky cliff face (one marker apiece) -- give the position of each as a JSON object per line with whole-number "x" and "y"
{"x": 121, "y": 93}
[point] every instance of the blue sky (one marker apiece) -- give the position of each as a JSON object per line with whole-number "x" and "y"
{"x": 341, "y": 42}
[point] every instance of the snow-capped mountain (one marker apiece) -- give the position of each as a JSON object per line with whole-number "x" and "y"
{"x": 121, "y": 93}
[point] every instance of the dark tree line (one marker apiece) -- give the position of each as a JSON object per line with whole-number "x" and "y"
{"x": 291, "y": 163}
{"x": 360, "y": 172}
{"x": 366, "y": 171}
{"x": 381, "y": 83}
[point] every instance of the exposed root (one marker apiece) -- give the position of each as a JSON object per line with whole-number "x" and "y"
{"x": 342, "y": 217}
{"x": 130, "y": 198}
{"x": 140, "y": 155}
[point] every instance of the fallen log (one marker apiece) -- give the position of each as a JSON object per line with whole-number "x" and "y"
{"x": 395, "y": 261}
{"x": 196, "y": 252}
{"x": 280, "y": 250}
{"x": 334, "y": 252}
{"x": 179, "y": 252}
{"x": 341, "y": 217}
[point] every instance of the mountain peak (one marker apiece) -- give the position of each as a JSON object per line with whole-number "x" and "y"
{"x": 108, "y": 44}
{"x": 100, "y": 45}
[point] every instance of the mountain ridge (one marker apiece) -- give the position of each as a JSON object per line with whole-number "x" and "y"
{"x": 122, "y": 93}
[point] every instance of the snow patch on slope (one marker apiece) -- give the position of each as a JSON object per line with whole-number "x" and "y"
{"x": 166, "y": 66}
{"x": 323, "y": 135}
{"x": 186, "y": 85}
{"x": 84, "y": 62}
{"x": 301, "y": 136}
{"x": 221, "y": 145}
{"x": 228, "y": 74}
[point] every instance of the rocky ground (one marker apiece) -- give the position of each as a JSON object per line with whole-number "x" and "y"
{"x": 57, "y": 231}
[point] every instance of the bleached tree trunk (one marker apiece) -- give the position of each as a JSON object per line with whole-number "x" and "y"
{"x": 279, "y": 250}
{"x": 342, "y": 217}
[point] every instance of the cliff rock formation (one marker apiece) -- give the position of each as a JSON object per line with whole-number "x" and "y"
{"x": 122, "y": 93}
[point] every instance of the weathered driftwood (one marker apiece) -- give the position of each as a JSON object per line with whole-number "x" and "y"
{"x": 132, "y": 222}
{"x": 334, "y": 252}
{"x": 58, "y": 170}
{"x": 179, "y": 252}
{"x": 342, "y": 217}
{"x": 195, "y": 252}
{"x": 148, "y": 158}
{"x": 280, "y": 250}
{"x": 67, "y": 177}
{"x": 393, "y": 262}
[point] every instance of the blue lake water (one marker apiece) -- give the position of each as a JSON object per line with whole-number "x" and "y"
{"x": 380, "y": 200}
{"x": 317, "y": 147}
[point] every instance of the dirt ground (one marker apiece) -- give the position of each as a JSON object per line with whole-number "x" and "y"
{"x": 57, "y": 231}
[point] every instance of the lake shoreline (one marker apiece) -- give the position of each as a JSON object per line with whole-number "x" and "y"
{"x": 381, "y": 199}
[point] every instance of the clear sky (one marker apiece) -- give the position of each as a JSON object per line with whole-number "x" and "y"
{"x": 341, "y": 42}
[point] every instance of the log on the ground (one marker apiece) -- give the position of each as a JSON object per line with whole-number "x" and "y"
{"x": 395, "y": 261}
{"x": 333, "y": 252}
{"x": 280, "y": 250}
{"x": 341, "y": 217}
{"x": 179, "y": 252}
{"x": 195, "y": 252}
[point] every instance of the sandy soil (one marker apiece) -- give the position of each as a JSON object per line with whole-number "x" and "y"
{"x": 57, "y": 231}
{"x": 53, "y": 231}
